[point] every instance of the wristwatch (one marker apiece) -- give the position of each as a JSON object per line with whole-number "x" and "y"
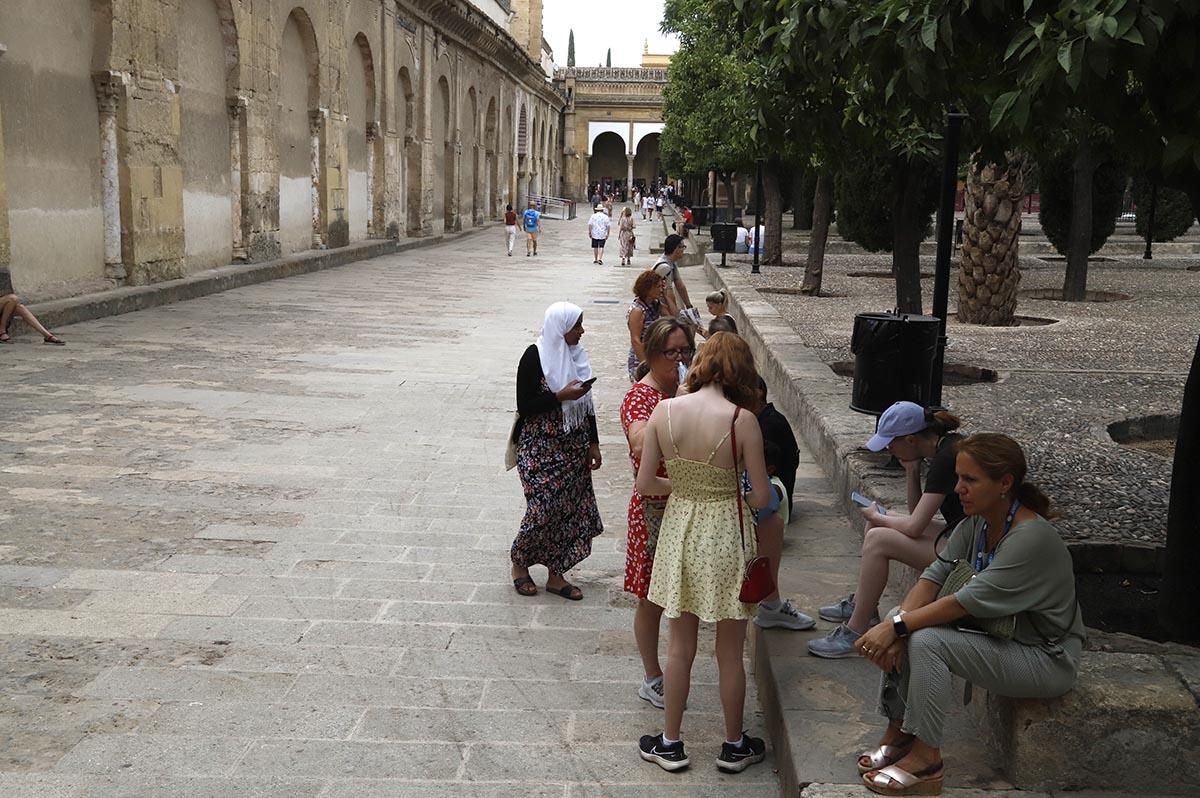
{"x": 898, "y": 624}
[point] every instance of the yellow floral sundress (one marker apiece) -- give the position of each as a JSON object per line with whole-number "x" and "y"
{"x": 699, "y": 562}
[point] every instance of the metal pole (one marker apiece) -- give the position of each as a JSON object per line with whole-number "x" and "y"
{"x": 945, "y": 242}
{"x": 758, "y": 200}
{"x": 1150, "y": 222}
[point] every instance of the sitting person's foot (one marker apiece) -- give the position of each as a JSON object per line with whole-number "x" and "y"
{"x": 54, "y": 339}
{"x": 736, "y": 758}
{"x": 838, "y": 644}
{"x": 782, "y": 614}
{"x": 914, "y": 774}
{"x": 842, "y": 611}
{"x": 671, "y": 758}
{"x": 5, "y": 338}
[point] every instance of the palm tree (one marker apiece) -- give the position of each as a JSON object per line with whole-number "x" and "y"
{"x": 988, "y": 274}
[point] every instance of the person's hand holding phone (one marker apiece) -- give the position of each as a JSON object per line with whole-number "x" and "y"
{"x": 574, "y": 390}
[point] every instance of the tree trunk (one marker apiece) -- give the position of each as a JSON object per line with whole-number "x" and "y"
{"x": 908, "y": 229}
{"x": 728, "y": 181}
{"x": 803, "y": 201}
{"x": 988, "y": 273}
{"x": 1180, "y": 599}
{"x": 822, "y": 215}
{"x": 1079, "y": 240}
{"x": 772, "y": 216}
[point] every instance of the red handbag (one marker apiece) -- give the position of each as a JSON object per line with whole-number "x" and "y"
{"x": 757, "y": 583}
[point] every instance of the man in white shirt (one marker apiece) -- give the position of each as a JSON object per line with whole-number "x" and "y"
{"x": 739, "y": 243}
{"x": 598, "y": 226}
{"x": 647, "y": 206}
{"x": 754, "y": 241}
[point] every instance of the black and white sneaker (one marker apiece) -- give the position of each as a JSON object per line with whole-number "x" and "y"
{"x": 668, "y": 757}
{"x": 736, "y": 758}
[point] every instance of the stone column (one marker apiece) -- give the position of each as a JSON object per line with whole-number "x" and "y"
{"x": 237, "y": 155}
{"x": 110, "y": 87}
{"x": 373, "y": 228}
{"x": 316, "y": 138}
{"x": 629, "y": 180}
{"x": 5, "y": 242}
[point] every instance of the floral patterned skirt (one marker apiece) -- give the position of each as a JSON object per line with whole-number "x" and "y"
{"x": 561, "y": 516}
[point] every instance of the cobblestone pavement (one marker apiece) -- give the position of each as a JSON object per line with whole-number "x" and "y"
{"x": 256, "y": 544}
{"x": 1060, "y": 385}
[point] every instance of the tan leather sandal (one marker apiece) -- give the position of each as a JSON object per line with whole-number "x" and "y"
{"x": 894, "y": 780}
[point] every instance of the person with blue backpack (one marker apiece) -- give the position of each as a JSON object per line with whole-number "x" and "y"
{"x": 532, "y": 221}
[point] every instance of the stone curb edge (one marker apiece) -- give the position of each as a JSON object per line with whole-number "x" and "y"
{"x": 86, "y": 307}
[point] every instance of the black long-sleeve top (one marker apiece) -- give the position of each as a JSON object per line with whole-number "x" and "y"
{"x": 534, "y": 399}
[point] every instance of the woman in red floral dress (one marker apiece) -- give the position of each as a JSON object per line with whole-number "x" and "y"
{"x": 666, "y": 343}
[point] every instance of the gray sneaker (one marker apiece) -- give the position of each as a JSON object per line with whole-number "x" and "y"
{"x": 841, "y": 612}
{"x": 838, "y": 644}
{"x": 652, "y": 691}
{"x": 785, "y": 616}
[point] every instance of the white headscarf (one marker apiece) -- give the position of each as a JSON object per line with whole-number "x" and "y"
{"x": 562, "y": 363}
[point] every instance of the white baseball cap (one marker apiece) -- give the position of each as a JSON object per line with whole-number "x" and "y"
{"x": 902, "y": 418}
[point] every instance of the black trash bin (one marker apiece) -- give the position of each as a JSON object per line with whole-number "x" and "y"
{"x": 701, "y": 215}
{"x": 724, "y": 237}
{"x": 893, "y": 360}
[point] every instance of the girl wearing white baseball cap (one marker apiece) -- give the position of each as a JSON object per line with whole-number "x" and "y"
{"x": 913, "y": 434}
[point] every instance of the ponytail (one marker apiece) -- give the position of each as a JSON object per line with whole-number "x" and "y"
{"x": 1032, "y": 497}
{"x": 940, "y": 422}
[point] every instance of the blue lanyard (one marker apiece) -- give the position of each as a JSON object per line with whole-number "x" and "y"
{"x": 984, "y": 558}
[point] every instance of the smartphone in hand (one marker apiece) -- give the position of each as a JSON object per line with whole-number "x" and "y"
{"x": 587, "y": 383}
{"x": 863, "y": 501}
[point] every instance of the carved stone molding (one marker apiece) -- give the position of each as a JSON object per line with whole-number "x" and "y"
{"x": 110, "y": 89}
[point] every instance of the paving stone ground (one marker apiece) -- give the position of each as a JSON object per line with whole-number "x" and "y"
{"x": 256, "y": 544}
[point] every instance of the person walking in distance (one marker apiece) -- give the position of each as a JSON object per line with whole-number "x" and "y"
{"x": 659, "y": 202}
{"x": 533, "y": 227}
{"x": 598, "y": 226}
{"x": 625, "y": 236}
{"x": 510, "y": 227}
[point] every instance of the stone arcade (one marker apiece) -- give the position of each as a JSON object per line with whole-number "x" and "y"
{"x": 142, "y": 141}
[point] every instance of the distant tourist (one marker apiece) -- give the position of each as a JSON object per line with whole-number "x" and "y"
{"x": 722, "y": 324}
{"x": 10, "y": 306}
{"x": 664, "y": 342}
{"x": 598, "y": 226}
{"x": 706, "y": 441}
{"x": 658, "y": 205}
{"x": 754, "y": 239}
{"x": 626, "y": 236}
{"x": 510, "y": 227}
{"x": 558, "y": 447}
{"x": 1021, "y": 593}
{"x": 913, "y": 435}
{"x": 647, "y": 206}
{"x": 533, "y": 226}
{"x": 741, "y": 241}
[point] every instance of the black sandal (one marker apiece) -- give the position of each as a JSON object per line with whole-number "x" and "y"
{"x": 567, "y": 591}
{"x": 523, "y": 582}
{"x": 54, "y": 339}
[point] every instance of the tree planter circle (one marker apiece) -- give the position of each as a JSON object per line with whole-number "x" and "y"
{"x": 955, "y": 374}
{"x": 884, "y": 275}
{"x": 1055, "y": 295}
{"x": 1154, "y": 434}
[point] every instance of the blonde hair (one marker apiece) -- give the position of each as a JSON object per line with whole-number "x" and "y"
{"x": 717, "y": 297}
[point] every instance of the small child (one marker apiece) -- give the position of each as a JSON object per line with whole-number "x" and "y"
{"x": 779, "y": 499}
{"x": 769, "y": 523}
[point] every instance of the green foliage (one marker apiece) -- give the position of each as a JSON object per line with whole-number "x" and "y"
{"x": 1056, "y": 182}
{"x": 571, "y": 49}
{"x": 1173, "y": 213}
{"x": 863, "y": 192}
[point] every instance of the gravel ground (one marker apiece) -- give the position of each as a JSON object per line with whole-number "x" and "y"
{"x": 1060, "y": 385}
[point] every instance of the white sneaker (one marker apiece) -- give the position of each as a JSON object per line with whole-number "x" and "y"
{"x": 838, "y": 644}
{"x": 652, "y": 691}
{"x": 785, "y": 616}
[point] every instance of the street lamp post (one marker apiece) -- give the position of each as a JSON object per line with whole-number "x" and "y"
{"x": 1149, "y": 253}
{"x": 945, "y": 242}
{"x": 758, "y": 200}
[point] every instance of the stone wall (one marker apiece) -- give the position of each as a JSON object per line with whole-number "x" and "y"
{"x": 143, "y": 140}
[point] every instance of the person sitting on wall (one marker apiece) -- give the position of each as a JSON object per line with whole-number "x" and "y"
{"x": 741, "y": 245}
{"x": 10, "y": 306}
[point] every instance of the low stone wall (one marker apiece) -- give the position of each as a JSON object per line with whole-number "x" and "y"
{"x": 61, "y": 312}
{"x": 1132, "y": 721}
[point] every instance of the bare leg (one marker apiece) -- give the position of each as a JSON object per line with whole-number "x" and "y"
{"x": 677, "y": 682}
{"x": 770, "y": 545}
{"x": 32, "y": 321}
{"x": 881, "y": 545}
{"x": 8, "y": 305}
{"x": 731, "y": 641}
{"x": 646, "y": 621}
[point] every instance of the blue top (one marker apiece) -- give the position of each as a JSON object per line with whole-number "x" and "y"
{"x": 532, "y": 219}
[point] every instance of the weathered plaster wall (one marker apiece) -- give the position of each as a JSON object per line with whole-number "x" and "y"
{"x": 145, "y": 139}
{"x": 51, "y": 143}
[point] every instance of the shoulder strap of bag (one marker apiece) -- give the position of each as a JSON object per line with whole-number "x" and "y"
{"x": 737, "y": 477}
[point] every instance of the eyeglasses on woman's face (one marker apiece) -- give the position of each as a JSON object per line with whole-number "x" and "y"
{"x": 679, "y": 353}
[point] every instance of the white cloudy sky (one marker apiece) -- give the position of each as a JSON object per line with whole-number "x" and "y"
{"x": 623, "y": 25}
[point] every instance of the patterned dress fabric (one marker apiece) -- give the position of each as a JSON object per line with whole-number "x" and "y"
{"x": 699, "y": 562}
{"x": 625, "y": 236}
{"x": 638, "y": 405}
{"x": 650, "y": 314}
{"x": 561, "y": 516}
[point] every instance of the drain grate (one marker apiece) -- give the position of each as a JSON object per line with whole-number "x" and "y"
{"x": 606, "y": 301}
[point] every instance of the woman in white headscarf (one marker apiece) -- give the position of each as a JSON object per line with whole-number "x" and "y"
{"x": 558, "y": 447}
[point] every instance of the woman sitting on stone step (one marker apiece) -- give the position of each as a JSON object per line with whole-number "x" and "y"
{"x": 1009, "y": 573}
{"x": 912, "y": 434}
{"x": 10, "y": 305}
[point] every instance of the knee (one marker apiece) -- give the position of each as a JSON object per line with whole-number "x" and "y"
{"x": 925, "y": 642}
{"x": 875, "y": 540}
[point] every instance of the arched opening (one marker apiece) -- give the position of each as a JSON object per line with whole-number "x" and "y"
{"x": 491, "y": 173}
{"x": 53, "y": 146}
{"x": 443, "y": 149}
{"x": 607, "y": 165}
{"x": 299, "y": 208}
{"x": 469, "y": 127}
{"x": 361, "y": 139}
{"x": 647, "y": 166}
{"x": 411, "y": 178}
{"x": 204, "y": 137}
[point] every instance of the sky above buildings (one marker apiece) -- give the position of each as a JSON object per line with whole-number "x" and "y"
{"x": 623, "y": 25}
